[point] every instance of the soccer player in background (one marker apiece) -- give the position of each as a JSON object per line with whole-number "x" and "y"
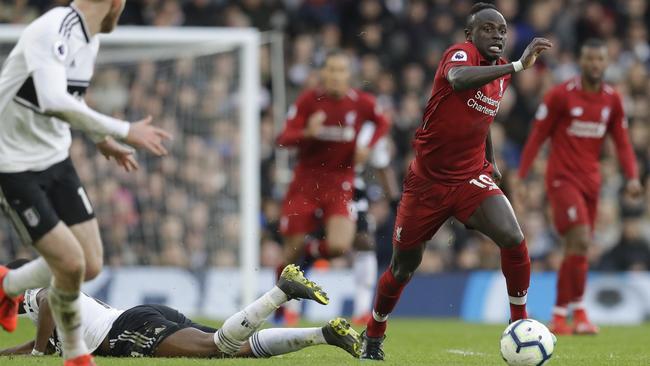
{"x": 160, "y": 331}
{"x": 323, "y": 125}
{"x": 577, "y": 115}
{"x": 41, "y": 88}
{"x": 453, "y": 173}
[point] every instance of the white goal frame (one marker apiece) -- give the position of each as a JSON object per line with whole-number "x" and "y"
{"x": 248, "y": 41}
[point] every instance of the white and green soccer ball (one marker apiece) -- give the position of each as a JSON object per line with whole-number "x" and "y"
{"x": 527, "y": 342}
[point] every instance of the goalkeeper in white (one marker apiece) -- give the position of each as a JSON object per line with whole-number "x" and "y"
{"x": 41, "y": 88}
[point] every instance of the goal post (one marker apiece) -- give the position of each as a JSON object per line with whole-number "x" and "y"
{"x": 156, "y": 43}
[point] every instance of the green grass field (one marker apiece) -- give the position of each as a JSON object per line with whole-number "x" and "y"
{"x": 415, "y": 342}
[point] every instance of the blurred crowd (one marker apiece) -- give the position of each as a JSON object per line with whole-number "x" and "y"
{"x": 185, "y": 205}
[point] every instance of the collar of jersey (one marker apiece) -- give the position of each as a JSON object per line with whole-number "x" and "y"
{"x": 84, "y": 27}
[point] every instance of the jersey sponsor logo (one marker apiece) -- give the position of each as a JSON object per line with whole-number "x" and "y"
{"x": 459, "y": 56}
{"x": 542, "y": 112}
{"x": 482, "y": 98}
{"x": 60, "y": 50}
{"x": 337, "y": 134}
{"x": 587, "y": 129}
{"x": 32, "y": 217}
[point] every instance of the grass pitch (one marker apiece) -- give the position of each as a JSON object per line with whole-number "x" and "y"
{"x": 412, "y": 342}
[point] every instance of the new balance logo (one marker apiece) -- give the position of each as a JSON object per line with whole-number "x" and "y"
{"x": 398, "y": 233}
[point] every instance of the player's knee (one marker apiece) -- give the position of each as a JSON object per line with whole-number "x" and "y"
{"x": 511, "y": 238}
{"x": 578, "y": 245}
{"x": 93, "y": 268}
{"x": 72, "y": 268}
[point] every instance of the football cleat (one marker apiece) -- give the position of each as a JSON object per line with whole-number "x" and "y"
{"x": 372, "y": 348}
{"x": 8, "y": 306}
{"x": 339, "y": 333}
{"x": 84, "y": 360}
{"x": 582, "y": 325}
{"x": 560, "y": 326}
{"x": 361, "y": 320}
{"x": 293, "y": 283}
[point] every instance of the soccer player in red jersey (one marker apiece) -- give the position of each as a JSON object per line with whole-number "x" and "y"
{"x": 453, "y": 173}
{"x": 323, "y": 125}
{"x": 577, "y": 115}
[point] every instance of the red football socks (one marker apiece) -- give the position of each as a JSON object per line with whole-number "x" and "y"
{"x": 515, "y": 265}
{"x": 564, "y": 285}
{"x": 580, "y": 266}
{"x": 389, "y": 291}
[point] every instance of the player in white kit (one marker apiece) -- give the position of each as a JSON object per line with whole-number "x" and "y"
{"x": 160, "y": 331}
{"x": 42, "y": 84}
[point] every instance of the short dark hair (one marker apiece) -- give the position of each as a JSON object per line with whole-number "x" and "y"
{"x": 17, "y": 263}
{"x": 480, "y": 6}
{"x": 333, "y": 53}
{"x": 593, "y": 43}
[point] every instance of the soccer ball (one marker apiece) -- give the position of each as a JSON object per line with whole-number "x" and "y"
{"x": 527, "y": 342}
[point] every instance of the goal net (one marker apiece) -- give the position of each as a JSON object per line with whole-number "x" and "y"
{"x": 198, "y": 207}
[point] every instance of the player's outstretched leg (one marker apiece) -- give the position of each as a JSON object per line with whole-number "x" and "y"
{"x": 239, "y": 327}
{"x": 365, "y": 278}
{"x": 392, "y": 282}
{"x": 496, "y": 219}
{"x": 277, "y": 341}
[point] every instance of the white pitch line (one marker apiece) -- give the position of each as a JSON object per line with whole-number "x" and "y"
{"x": 465, "y": 353}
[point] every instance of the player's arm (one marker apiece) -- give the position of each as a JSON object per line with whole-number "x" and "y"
{"x": 300, "y": 125}
{"x": 626, "y": 157}
{"x": 490, "y": 156}
{"x": 544, "y": 123}
{"x": 472, "y": 77}
{"x": 45, "y": 54}
{"x": 23, "y": 349}
{"x": 45, "y": 325}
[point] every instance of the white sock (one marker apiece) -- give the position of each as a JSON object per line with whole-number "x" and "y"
{"x": 365, "y": 278}
{"x": 66, "y": 311}
{"x": 240, "y": 326}
{"x": 35, "y": 274}
{"x": 278, "y": 341}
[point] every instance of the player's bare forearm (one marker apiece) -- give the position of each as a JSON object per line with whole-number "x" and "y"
{"x": 389, "y": 182}
{"x": 23, "y": 349}
{"x": 45, "y": 325}
{"x": 472, "y": 77}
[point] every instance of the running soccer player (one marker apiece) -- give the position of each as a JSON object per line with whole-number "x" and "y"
{"x": 160, "y": 331}
{"x": 453, "y": 173}
{"x": 577, "y": 115}
{"x": 324, "y": 125}
{"x": 41, "y": 88}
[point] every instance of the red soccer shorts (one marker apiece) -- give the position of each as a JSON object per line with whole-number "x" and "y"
{"x": 426, "y": 205}
{"x": 310, "y": 203}
{"x": 570, "y": 206}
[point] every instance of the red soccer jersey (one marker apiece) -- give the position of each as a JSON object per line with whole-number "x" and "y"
{"x": 332, "y": 151}
{"x": 577, "y": 122}
{"x": 450, "y": 144}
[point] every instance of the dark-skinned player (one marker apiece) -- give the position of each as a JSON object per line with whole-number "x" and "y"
{"x": 577, "y": 116}
{"x": 454, "y": 172}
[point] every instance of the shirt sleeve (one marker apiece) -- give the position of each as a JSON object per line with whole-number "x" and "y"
{"x": 380, "y": 155}
{"x": 44, "y": 48}
{"x": 618, "y": 129}
{"x": 457, "y": 56}
{"x": 546, "y": 117}
{"x": 293, "y": 133}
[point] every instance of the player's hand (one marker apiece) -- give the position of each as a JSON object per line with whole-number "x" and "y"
{"x": 496, "y": 175}
{"x": 633, "y": 188}
{"x": 534, "y": 48}
{"x": 123, "y": 155}
{"x": 361, "y": 155}
{"x": 315, "y": 123}
{"x": 143, "y": 135}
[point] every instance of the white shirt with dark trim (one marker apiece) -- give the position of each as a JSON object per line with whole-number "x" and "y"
{"x": 97, "y": 318}
{"x": 30, "y": 139}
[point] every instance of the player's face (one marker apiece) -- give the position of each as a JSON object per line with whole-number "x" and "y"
{"x": 593, "y": 62}
{"x": 110, "y": 21}
{"x": 489, "y": 34}
{"x": 336, "y": 75}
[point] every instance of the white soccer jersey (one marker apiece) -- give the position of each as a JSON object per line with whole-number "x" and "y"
{"x": 54, "y": 50}
{"x": 97, "y": 318}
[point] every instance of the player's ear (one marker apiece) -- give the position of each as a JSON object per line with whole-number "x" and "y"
{"x": 468, "y": 34}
